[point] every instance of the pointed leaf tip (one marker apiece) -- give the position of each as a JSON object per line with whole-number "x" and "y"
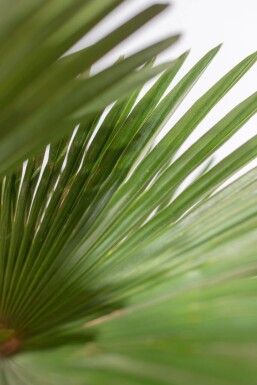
{"x": 161, "y": 6}
{"x": 185, "y": 54}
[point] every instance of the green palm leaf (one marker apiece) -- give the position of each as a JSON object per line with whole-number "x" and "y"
{"x": 42, "y": 95}
{"x": 110, "y": 272}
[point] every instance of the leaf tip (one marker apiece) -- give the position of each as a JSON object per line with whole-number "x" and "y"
{"x": 185, "y": 54}
{"x": 217, "y": 47}
{"x": 161, "y": 6}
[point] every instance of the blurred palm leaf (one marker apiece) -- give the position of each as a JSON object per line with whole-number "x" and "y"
{"x": 42, "y": 96}
{"x": 111, "y": 273}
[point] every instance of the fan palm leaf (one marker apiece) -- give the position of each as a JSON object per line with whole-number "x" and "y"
{"x": 112, "y": 272}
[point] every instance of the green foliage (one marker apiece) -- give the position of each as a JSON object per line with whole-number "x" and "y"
{"x": 41, "y": 95}
{"x": 110, "y": 272}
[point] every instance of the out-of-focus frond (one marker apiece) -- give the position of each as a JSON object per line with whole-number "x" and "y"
{"x": 42, "y": 96}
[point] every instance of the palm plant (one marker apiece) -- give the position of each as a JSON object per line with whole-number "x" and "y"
{"x": 111, "y": 273}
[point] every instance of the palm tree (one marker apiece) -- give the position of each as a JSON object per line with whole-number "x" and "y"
{"x": 113, "y": 270}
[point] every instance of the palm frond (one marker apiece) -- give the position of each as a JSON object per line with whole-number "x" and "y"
{"x": 91, "y": 231}
{"x": 110, "y": 272}
{"x": 43, "y": 95}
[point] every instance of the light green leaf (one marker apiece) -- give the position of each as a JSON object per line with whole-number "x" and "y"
{"x": 110, "y": 273}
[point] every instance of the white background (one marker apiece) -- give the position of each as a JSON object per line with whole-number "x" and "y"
{"x": 203, "y": 24}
